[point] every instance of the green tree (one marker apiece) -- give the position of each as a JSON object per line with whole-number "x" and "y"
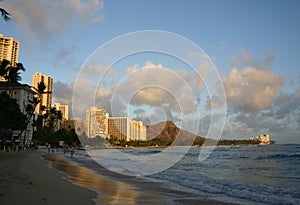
{"x": 4, "y": 67}
{"x": 52, "y": 117}
{"x": 30, "y": 108}
{"x": 11, "y": 116}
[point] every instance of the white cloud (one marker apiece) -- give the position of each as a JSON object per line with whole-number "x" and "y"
{"x": 96, "y": 71}
{"x": 251, "y": 89}
{"x": 132, "y": 69}
{"x": 155, "y": 85}
{"x": 62, "y": 93}
{"x": 45, "y": 18}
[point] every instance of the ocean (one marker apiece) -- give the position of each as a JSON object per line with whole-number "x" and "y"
{"x": 234, "y": 174}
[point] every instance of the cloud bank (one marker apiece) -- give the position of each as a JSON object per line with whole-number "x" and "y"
{"x": 255, "y": 98}
{"x": 46, "y": 18}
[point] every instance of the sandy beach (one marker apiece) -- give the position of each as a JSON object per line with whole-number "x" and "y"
{"x": 26, "y": 179}
{"x": 41, "y": 178}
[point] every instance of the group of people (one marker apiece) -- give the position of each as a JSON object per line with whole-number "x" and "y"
{"x": 72, "y": 152}
{"x": 18, "y": 147}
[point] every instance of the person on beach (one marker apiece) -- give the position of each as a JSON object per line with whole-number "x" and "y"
{"x": 49, "y": 148}
{"x": 72, "y": 152}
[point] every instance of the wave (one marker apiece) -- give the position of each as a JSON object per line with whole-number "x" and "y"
{"x": 236, "y": 190}
{"x": 279, "y": 156}
{"x": 190, "y": 175}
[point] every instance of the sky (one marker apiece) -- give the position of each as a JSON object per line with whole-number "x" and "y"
{"x": 253, "y": 45}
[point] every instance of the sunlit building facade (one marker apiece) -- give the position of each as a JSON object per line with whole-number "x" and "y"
{"x": 262, "y": 139}
{"x": 118, "y": 128}
{"x": 137, "y": 130}
{"x": 97, "y": 122}
{"x": 64, "y": 109}
{"x": 9, "y": 50}
{"x": 46, "y": 99}
{"x": 122, "y": 128}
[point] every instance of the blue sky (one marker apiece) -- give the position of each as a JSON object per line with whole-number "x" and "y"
{"x": 253, "y": 44}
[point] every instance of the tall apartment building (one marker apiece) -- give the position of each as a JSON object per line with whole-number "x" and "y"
{"x": 9, "y": 50}
{"x": 137, "y": 131}
{"x": 118, "y": 128}
{"x": 46, "y": 99}
{"x": 64, "y": 109}
{"x": 97, "y": 120}
{"x": 122, "y": 128}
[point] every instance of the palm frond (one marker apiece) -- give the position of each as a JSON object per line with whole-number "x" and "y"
{"x": 5, "y": 15}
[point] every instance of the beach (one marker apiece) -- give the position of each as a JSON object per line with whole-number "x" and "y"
{"x": 27, "y": 179}
{"x": 35, "y": 177}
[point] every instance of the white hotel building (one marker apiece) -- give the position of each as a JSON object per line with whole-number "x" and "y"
{"x": 97, "y": 124}
{"x": 121, "y": 128}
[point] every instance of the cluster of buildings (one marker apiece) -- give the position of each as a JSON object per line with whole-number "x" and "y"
{"x": 97, "y": 122}
{"x": 121, "y": 128}
{"x": 261, "y": 139}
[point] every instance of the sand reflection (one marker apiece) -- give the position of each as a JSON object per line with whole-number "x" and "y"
{"x": 110, "y": 191}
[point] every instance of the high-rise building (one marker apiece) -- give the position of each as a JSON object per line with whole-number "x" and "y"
{"x": 122, "y": 128}
{"x": 97, "y": 120}
{"x": 46, "y": 98}
{"x": 119, "y": 128}
{"x": 9, "y": 50}
{"x": 137, "y": 131}
{"x": 64, "y": 109}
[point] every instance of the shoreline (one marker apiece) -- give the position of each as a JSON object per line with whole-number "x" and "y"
{"x": 175, "y": 146}
{"x": 26, "y": 177}
{"x": 166, "y": 193}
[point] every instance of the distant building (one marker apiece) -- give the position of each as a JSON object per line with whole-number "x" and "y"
{"x": 122, "y": 128}
{"x": 79, "y": 125}
{"x": 64, "y": 109}
{"x": 9, "y": 50}
{"x": 46, "y": 99}
{"x": 24, "y": 96}
{"x": 119, "y": 127}
{"x": 262, "y": 139}
{"x": 67, "y": 124}
{"x": 97, "y": 122}
{"x": 137, "y": 131}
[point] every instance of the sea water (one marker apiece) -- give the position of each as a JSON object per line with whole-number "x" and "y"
{"x": 235, "y": 174}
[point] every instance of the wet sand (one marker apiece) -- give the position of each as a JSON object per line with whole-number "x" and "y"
{"x": 27, "y": 178}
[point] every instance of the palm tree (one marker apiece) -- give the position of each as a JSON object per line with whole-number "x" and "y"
{"x": 14, "y": 74}
{"x": 5, "y": 15}
{"x": 30, "y": 108}
{"x": 4, "y": 68}
{"x": 52, "y": 117}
